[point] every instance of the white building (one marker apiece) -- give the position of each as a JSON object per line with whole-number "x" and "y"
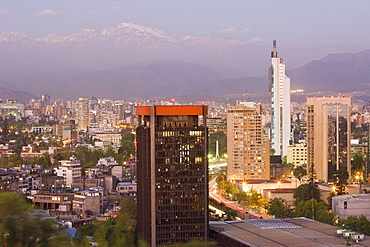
{"x": 279, "y": 86}
{"x": 351, "y": 205}
{"x": 297, "y": 154}
{"x": 69, "y": 169}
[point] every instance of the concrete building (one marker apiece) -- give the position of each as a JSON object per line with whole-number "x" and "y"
{"x": 113, "y": 137}
{"x": 297, "y": 154}
{"x": 69, "y": 169}
{"x": 127, "y": 188}
{"x": 172, "y": 174}
{"x": 82, "y": 113}
{"x": 351, "y": 205}
{"x": 247, "y": 146}
{"x": 279, "y": 86}
{"x": 88, "y": 203}
{"x": 52, "y": 201}
{"x": 328, "y": 136}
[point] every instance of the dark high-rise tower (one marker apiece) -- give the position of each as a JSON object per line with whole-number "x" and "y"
{"x": 172, "y": 174}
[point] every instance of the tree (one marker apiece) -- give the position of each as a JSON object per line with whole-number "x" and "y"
{"x": 299, "y": 172}
{"x": 278, "y": 207}
{"x": 222, "y": 143}
{"x": 358, "y": 224}
{"x": 125, "y": 230}
{"x": 45, "y": 161}
{"x": 357, "y": 162}
{"x": 341, "y": 180}
{"x": 19, "y": 226}
{"x": 120, "y": 231}
{"x": 10, "y": 204}
{"x": 83, "y": 231}
{"x": 15, "y": 159}
{"x": 314, "y": 210}
{"x": 307, "y": 192}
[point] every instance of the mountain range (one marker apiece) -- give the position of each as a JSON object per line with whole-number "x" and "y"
{"x": 132, "y": 61}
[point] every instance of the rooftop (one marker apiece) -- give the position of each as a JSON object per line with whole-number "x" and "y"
{"x": 297, "y": 232}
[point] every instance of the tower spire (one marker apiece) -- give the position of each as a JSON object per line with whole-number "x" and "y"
{"x": 274, "y": 51}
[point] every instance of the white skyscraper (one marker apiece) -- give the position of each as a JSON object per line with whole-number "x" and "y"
{"x": 279, "y": 85}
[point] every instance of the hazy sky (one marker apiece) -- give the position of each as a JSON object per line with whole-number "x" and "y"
{"x": 315, "y": 22}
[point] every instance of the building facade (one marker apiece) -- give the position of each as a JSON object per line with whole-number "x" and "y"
{"x": 279, "y": 86}
{"x": 172, "y": 167}
{"x": 82, "y": 113}
{"x": 328, "y": 136}
{"x": 248, "y": 148}
{"x": 297, "y": 154}
{"x": 69, "y": 169}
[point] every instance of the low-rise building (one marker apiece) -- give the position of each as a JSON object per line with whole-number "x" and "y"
{"x": 87, "y": 203}
{"x": 52, "y": 201}
{"x": 69, "y": 169}
{"x": 351, "y": 205}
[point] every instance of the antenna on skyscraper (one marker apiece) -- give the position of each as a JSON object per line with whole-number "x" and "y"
{"x": 274, "y": 50}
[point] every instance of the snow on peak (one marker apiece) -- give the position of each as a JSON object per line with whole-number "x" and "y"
{"x": 143, "y": 30}
{"x": 12, "y": 36}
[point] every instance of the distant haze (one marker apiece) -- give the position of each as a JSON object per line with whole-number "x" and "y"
{"x": 129, "y": 60}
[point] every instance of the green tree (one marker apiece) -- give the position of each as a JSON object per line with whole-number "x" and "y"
{"x": 222, "y": 143}
{"x": 120, "y": 231}
{"x": 299, "y": 172}
{"x": 19, "y": 226}
{"x": 83, "y": 231}
{"x": 357, "y": 162}
{"x": 125, "y": 230}
{"x": 314, "y": 210}
{"x": 45, "y": 161}
{"x": 306, "y": 192}
{"x": 278, "y": 207}
{"x": 15, "y": 159}
{"x": 127, "y": 149}
{"x": 11, "y": 204}
{"x": 340, "y": 181}
{"x": 358, "y": 224}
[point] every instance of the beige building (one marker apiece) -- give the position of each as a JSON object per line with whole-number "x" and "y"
{"x": 297, "y": 154}
{"x": 248, "y": 148}
{"x": 113, "y": 137}
{"x": 328, "y": 136}
{"x": 82, "y": 113}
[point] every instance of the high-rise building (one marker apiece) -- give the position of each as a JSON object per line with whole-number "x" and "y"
{"x": 279, "y": 86}
{"x": 172, "y": 174}
{"x": 82, "y": 113}
{"x": 328, "y": 136}
{"x": 247, "y": 146}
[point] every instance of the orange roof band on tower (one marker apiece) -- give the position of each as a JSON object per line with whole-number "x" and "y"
{"x": 172, "y": 110}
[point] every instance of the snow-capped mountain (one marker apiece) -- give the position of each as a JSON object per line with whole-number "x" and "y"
{"x": 124, "y": 32}
{"x": 132, "y": 60}
{"x": 11, "y": 36}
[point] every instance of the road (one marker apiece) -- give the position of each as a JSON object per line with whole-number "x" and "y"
{"x": 213, "y": 193}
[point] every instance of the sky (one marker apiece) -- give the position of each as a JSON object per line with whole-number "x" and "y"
{"x": 314, "y": 22}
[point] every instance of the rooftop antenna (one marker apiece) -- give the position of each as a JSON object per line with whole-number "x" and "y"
{"x": 274, "y": 51}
